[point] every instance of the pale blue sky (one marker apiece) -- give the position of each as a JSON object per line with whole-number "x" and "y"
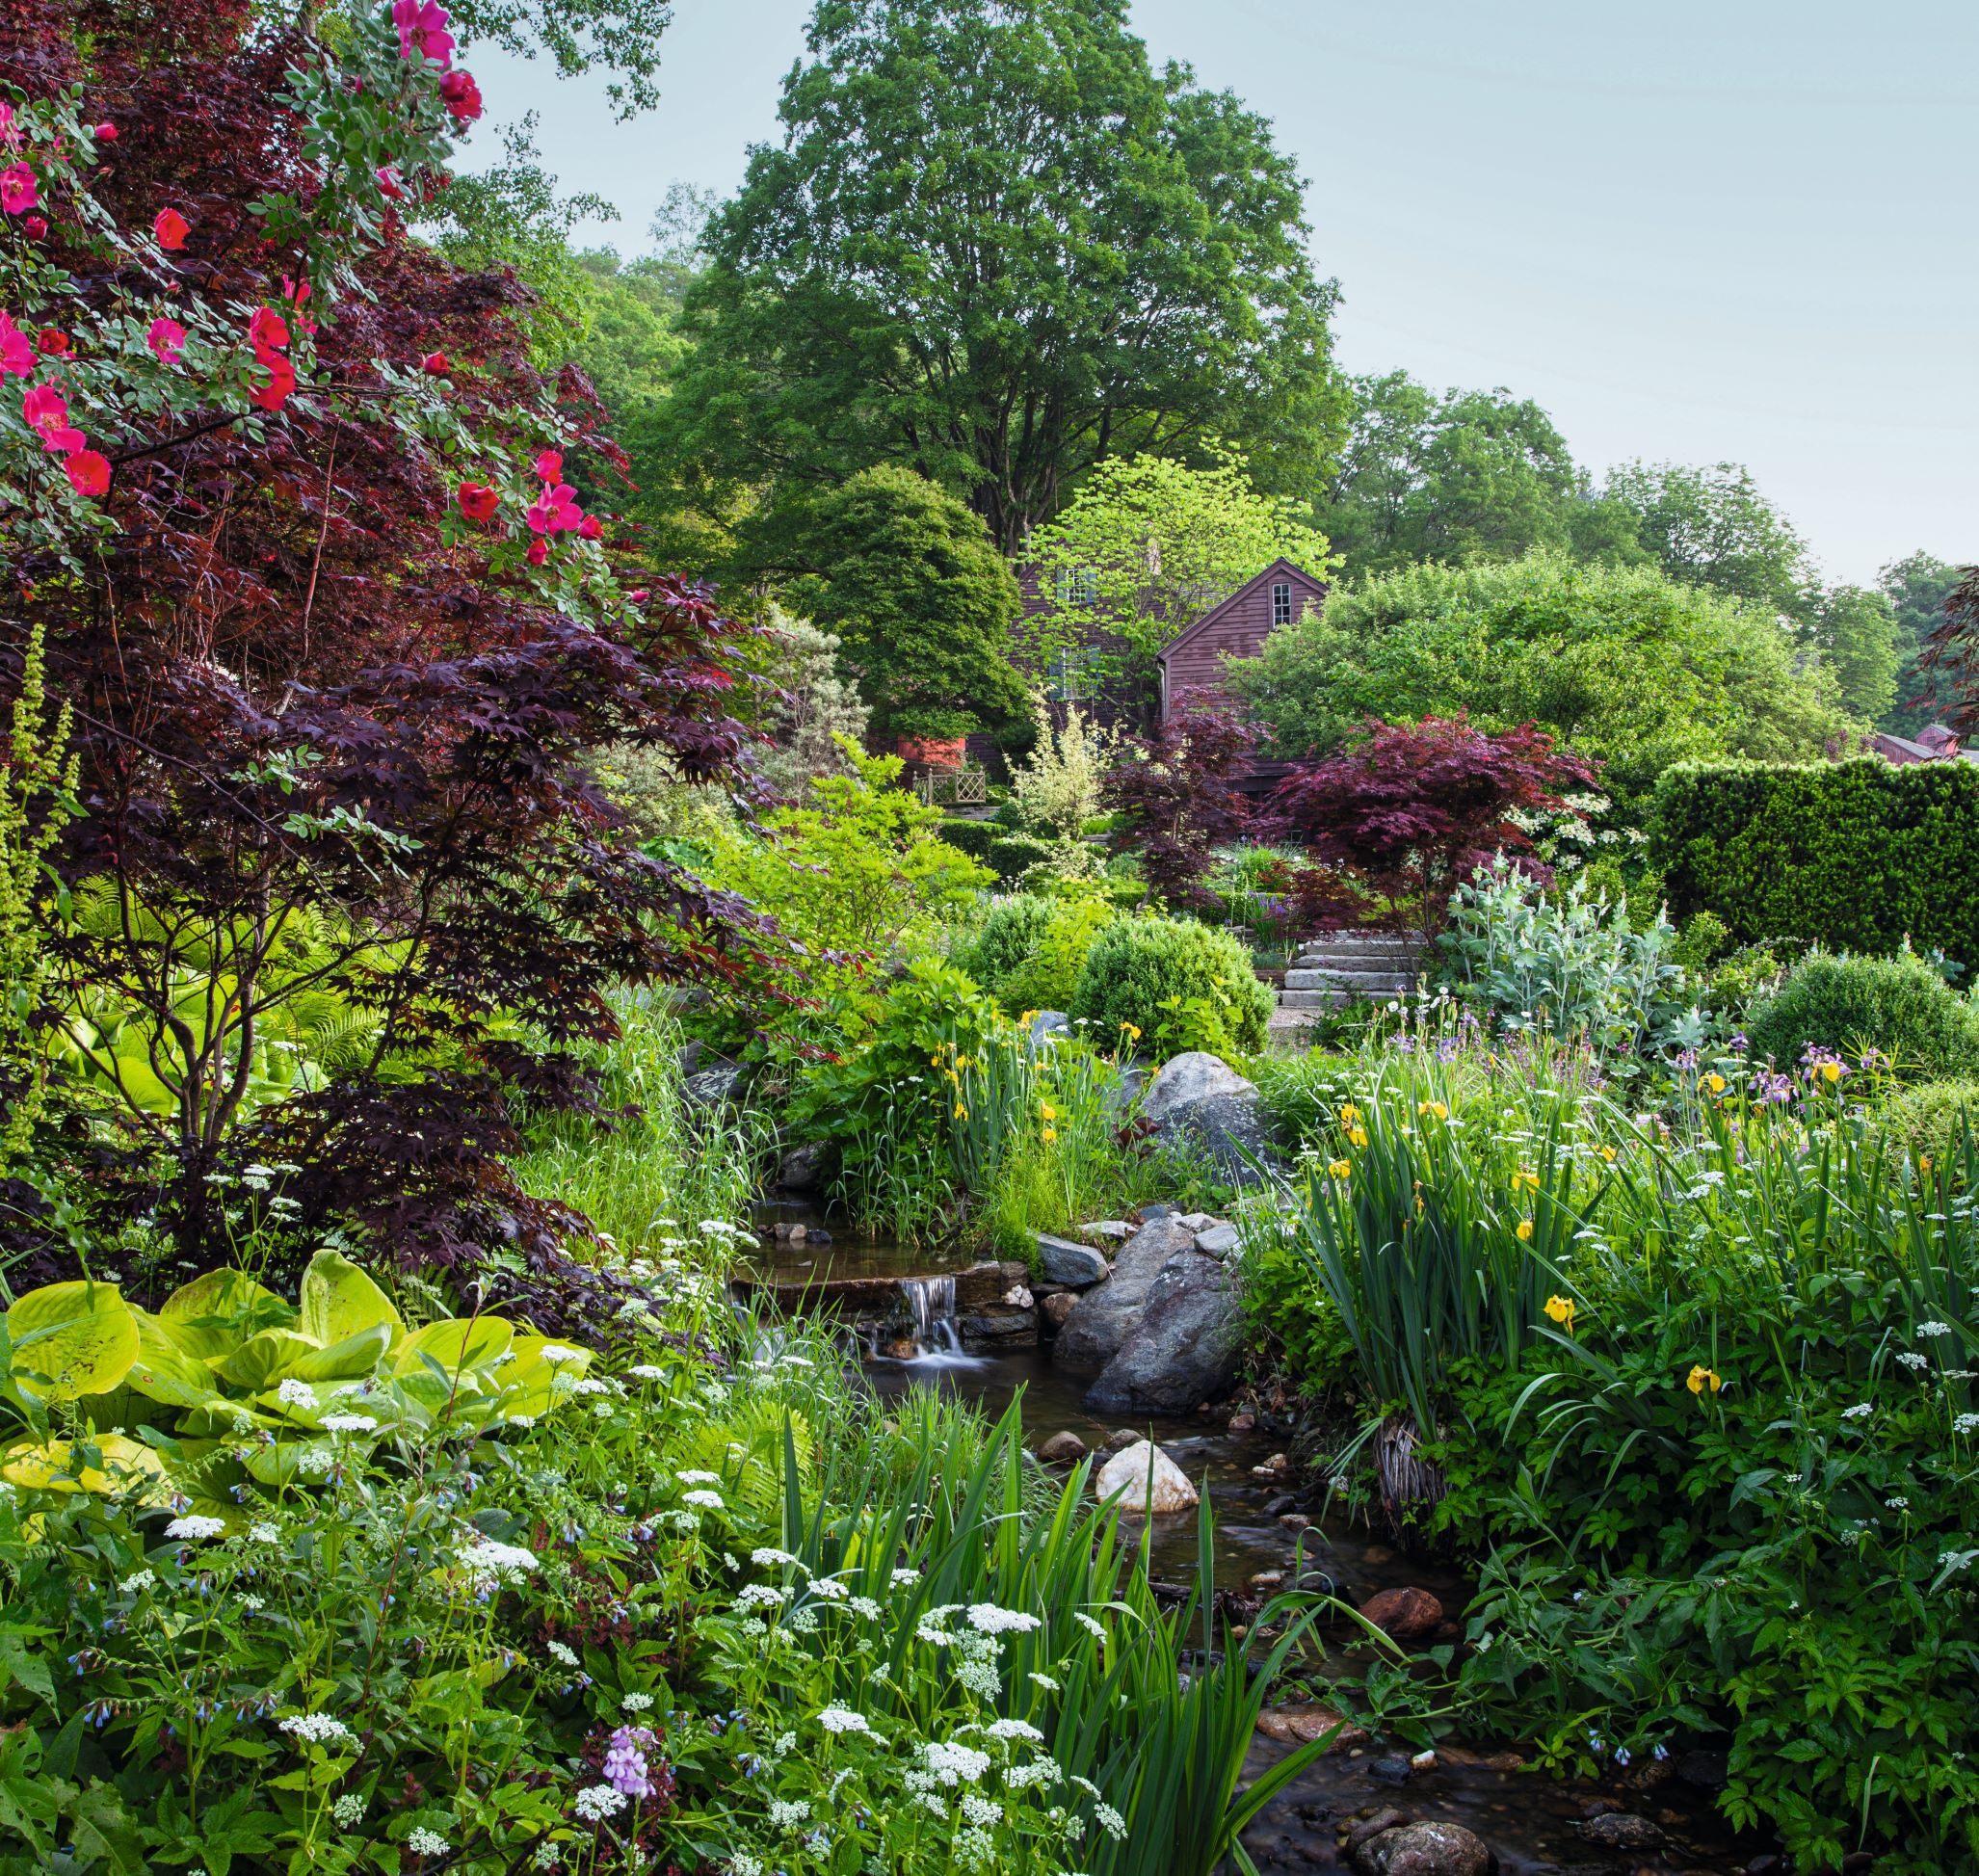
{"x": 1706, "y": 229}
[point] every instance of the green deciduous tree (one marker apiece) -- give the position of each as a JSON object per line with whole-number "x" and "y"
{"x": 1917, "y": 587}
{"x": 1712, "y": 527}
{"x": 1855, "y": 629}
{"x": 1149, "y": 545}
{"x": 1457, "y": 476}
{"x": 996, "y": 247}
{"x": 1620, "y": 663}
{"x": 922, "y": 603}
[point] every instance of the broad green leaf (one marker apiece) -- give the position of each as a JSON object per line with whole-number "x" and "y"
{"x": 52, "y": 1467}
{"x": 349, "y": 1359}
{"x": 71, "y": 1339}
{"x": 458, "y": 1343}
{"x": 289, "y": 1460}
{"x": 340, "y": 1300}
{"x": 265, "y": 1358}
{"x": 214, "y": 1315}
{"x": 163, "y": 1371}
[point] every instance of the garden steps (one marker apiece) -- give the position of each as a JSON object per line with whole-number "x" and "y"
{"x": 1341, "y": 969}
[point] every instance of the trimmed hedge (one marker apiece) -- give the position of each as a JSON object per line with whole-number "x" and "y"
{"x": 1014, "y": 853}
{"x": 974, "y": 837}
{"x": 1854, "y": 856}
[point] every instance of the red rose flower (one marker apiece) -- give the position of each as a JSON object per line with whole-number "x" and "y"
{"x": 35, "y": 226}
{"x": 51, "y": 342}
{"x": 549, "y": 466}
{"x": 281, "y": 382}
{"x": 538, "y": 551}
{"x": 106, "y": 133}
{"x": 171, "y": 228}
{"x": 435, "y": 364}
{"x": 267, "y": 330}
{"x": 88, "y": 472}
{"x": 461, "y": 97}
{"x": 589, "y": 527}
{"x": 478, "y": 501}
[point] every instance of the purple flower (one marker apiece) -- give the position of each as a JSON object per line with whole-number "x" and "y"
{"x": 625, "y": 1767}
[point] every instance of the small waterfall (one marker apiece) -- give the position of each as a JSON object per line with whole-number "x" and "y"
{"x": 931, "y": 1300}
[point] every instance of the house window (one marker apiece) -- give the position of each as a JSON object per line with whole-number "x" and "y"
{"x": 1072, "y": 677}
{"x": 1078, "y": 586}
{"x": 1282, "y": 602}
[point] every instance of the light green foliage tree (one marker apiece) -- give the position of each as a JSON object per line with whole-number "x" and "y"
{"x": 818, "y": 714}
{"x": 1057, "y": 787}
{"x": 1620, "y": 663}
{"x": 857, "y": 867}
{"x": 1855, "y": 629}
{"x": 995, "y": 245}
{"x": 1917, "y": 587}
{"x": 1460, "y": 475}
{"x": 920, "y": 599}
{"x": 1712, "y": 527}
{"x": 1149, "y": 545}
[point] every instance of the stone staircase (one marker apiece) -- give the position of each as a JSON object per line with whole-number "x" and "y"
{"x": 1343, "y": 968}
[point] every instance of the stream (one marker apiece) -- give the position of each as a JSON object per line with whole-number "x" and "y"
{"x": 1534, "y": 1823}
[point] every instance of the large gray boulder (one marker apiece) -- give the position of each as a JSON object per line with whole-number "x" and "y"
{"x": 1198, "y": 1104}
{"x": 1186, "y": 1080}
{"x": 1185, "y": 1348}
{"x": 1108, "y": 1313}
{"x": 1077, "y": 1266}
{"x": 1145, "y": 1479}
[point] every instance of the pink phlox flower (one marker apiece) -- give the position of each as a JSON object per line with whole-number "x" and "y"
{"x": 625, "y": 1766}
{"x": 16, "y": 349}
{"x": 19, "y": 189}
{"x": 167, "y": 338}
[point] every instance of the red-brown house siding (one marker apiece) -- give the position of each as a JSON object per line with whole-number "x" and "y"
{"x": 1194, "y": 664}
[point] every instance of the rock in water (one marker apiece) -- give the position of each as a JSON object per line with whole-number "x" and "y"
{"x": 1299, "y": 1726}
{"x": 800, "y": 1170}
{"x": 1147, "y": 1479}
{"x": 1076, "y": 1265}
{"x": 1184, "y": 1348}
{"x": 1622, "y": 1830}
{"x": 1404, "y": 1615}
{"x": 1057, "y": 1307}
{"x": 1108, "y": 1313}
{"x": 1118, "y": 1440}
{"x": 1063, "y": 1449}
{"x": 1433, "y": 1849}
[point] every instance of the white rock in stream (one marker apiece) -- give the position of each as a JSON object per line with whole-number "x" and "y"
{"x": 1146, "y": 1478}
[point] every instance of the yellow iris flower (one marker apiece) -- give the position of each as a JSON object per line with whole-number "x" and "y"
{"x": 1700, "y": 1378}
{"x": 1525, "y": 1230}
{"x": 1561, "y": 1310}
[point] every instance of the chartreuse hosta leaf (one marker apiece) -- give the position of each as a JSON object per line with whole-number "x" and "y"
{"x": 340, "y": 1302}
{"x": 214, "y": 1315}
{"x": 529, "y": 1385}
{"x": 265, "y": 1359}
{"x": 107, "y": 1464}
{"x": 472, "y": 1343}
{"x": 350, "y": 1359}
{"x": 165, "y": 1372}
{"x": 68, "y": 1339}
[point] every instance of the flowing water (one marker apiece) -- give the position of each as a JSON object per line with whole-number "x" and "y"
{"x": 1531, "y": 1821}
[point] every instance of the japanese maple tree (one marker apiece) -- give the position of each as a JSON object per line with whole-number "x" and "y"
{"x": 1411, "y": 808}
{"x": 1175, "y": 797}
{"x": 286, "y": 504}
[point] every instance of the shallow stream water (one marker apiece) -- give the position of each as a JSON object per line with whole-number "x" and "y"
{"x": 1530, "y": 1820}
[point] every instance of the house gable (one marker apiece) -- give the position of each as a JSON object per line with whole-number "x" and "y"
{"x": 1193, "y": 663}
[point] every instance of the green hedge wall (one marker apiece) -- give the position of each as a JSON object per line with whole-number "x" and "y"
{"x": 973, "y": 837}
{"x": 1856, "y": 856}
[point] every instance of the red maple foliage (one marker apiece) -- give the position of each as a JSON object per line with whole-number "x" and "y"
{"x": 1174, "y": 798}
{"x": 309, "y": 699}
{"x": 1412, "y": 808}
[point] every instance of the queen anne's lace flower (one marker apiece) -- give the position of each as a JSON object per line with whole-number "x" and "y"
{"x": 349, "y": 1423}
{"x": 196, "y": 1526}
{"x": 489, "y": 1563}
{"x": 950, "y": 1763}
{"x": 423, "y": 1843}
{"x": 598, "y": 1802}
{"x": 1012, "y": 1730}
{"x": 295, "y": 1393}
{"x": 138, "y": 1580}
{"x": 842, "y": 1719}
{"x": 317, "y": 1728}
{"x": 702, "y": 1500}
{"x": 698, "y": 1478}
{"x": 786, "y": 1813}
{"x": 348, "y": 1811}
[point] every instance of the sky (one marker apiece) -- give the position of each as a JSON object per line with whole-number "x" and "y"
{"x": 1707, "y": 230}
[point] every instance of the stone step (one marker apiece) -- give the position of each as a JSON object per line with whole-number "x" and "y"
{"x": 1352, "y": 953}
{"x": 1370, "y": 980}
{"x": 1332, "y": 999}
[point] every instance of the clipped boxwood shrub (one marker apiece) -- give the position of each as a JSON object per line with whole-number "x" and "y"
{"x": 974, "y": 837}
{"x": 1008, "y": 934}
{"x": 1014, "y": 852}
{"x": 1854, "y": 856}
{"x": 1049, "y": 975}
{"x": 1934, "y": 1118}
{"x": 1137, "y": 965}
{"x": 1899, "y": 1005}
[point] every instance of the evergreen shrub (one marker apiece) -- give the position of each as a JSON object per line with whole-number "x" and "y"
{"x": 1139, "y": 969}
{"x": 1898, "y": 1004}
{"x": 1854, "y": 856}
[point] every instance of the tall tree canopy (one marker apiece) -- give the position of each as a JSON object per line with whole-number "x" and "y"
{"x": 996, "y": 247}
{"x": 1147, "y": 545}
{"x": 1713, "y": 527}
{"x": 1620, "y": 663}
{"x": 1854, "y": 628}
{"x": 1460, "y": 475}
{"x": 921, "y": 598}
{"x": 1917, "y": 587}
